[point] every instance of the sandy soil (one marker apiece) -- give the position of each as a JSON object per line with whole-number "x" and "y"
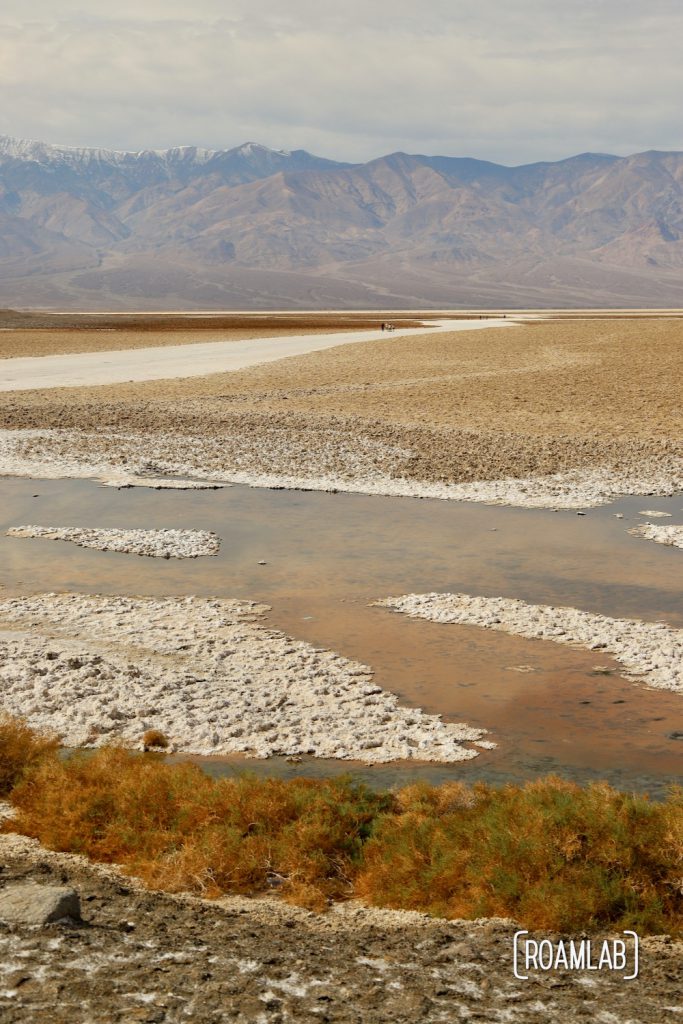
{"x": 443, "y": 409}
{"x": 162, "y": 959}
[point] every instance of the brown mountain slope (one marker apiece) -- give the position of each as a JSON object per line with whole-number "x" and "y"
{"x": 256, "y": 228}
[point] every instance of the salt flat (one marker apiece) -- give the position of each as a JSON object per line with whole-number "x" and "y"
{"x": 209, "y": 676}
{"x": 552, "y": 413}
{"x": 198, "y": 360}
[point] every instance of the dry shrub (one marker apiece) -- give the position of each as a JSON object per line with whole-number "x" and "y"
{"x": 179, "y": 829}
{"x": 21, "y": 749}
{"x": 155, "y": 738}
{"x": 551, "y": 854}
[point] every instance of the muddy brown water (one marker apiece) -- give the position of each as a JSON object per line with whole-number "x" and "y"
{"x": 549, "y": 708}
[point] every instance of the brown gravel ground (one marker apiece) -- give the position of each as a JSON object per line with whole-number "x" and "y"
{"x": 535, "y": 398}
{"x": 162, "y": 959}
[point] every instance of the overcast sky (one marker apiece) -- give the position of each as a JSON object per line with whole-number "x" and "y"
{"x": 506, "y": 80}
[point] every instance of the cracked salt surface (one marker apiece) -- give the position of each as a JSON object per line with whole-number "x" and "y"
{"x": 153, "y": 543}
{"x": 669, "y": 535}
{"x": 333, "y": 465}
{"x": 651, "y": 652}
{"x": 206, "y": 674}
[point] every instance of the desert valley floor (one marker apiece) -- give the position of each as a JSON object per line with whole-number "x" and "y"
{"x": 456, "y": 553}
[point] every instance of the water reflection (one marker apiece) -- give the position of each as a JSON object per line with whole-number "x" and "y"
{"x": 329, "y": 555}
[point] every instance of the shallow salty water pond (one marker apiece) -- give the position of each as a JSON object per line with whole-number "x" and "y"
{"x": 329, "y": 555}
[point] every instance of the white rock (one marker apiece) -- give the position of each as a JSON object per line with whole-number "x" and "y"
{"x": 38, "y": 904}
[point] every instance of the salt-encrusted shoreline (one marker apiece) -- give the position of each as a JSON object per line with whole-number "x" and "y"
{"x": 651, "y": 652}
{"x": 53, "y": 454}
{"x": 669, "y": 535}
{"x": 153, "y": 543}
{"x": 206, "y": 674}
{"x": 161, "y": 483}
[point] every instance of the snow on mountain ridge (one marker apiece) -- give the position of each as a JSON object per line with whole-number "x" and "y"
{"x": 250, "y": 148}
{"x": 46, "y": 153}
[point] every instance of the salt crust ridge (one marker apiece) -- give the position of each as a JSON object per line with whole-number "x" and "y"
{"x": 670, "y": 535}
{"x": 651, "y": 652}
{"x": 206, "y": 674}
{"x": 162, "y": 483}
{"x": 52, "y": 454}
{"x": 153, "y": 543}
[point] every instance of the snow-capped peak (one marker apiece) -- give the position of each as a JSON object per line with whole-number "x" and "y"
{"x": 44, "y": 153}
{"x": 251, "y": 150}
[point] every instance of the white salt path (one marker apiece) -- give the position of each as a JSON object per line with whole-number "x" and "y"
{"x": 206, "y": 674}
{"x": 648, "y": 651}
{"x": 669, "y": 535}
{"x": 154, "y": 543}
{"x": 195, "y": 360}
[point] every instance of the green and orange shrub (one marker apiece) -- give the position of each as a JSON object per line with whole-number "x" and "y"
{"x": 179, "y": 829}
{"x": 550, "y": 854}
{"x": 21, "y": 749}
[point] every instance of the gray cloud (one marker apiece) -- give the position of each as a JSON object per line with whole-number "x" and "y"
{"x": 538, "y": 79}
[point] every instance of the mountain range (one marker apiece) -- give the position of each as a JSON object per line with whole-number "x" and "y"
{"x": 256, "y": 228}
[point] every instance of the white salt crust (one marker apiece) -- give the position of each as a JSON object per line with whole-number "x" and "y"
{"x": 651, "y": 652}
{"x": 670, "y": 535}
{"x": 153, "y": 543}
{"x": 51, "y": 454}
{"x": 161, "y": 484}
{"x": 206, "y": 674}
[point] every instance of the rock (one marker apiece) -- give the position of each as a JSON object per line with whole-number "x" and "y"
{"x": 38, "y": 904}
